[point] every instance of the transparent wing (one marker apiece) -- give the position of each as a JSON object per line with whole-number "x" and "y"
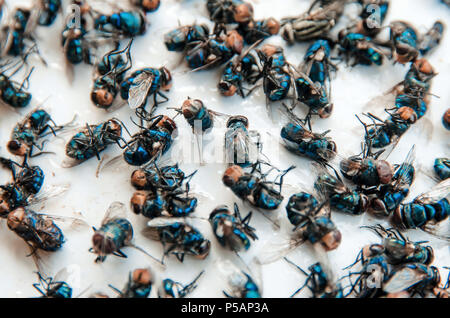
{"x": 164, "y": 221}
{"x": 326, "y": 181}
{"x": 32, "y": 21}
{"x": 115, "y": 210}
{"x": 234, "y": 277}
{"x": 63, "y": 275}
{"x": 72, "y": 222}
{"x": 437, "y": 193}
{"x": 323, "y": 259}
{"x": 325, "y": 210}
{"x": 256, "y": 272}
{"x": 402, "y": 280}
{"x": 49, "y": 192}
{"x": 275, "y": 250}
{"x": 380, "y": 102}
{"x": 70, "y": 162}
{"x": 237, "y": 143}
{"x": 403, "y": 176}
{"x": 440, "y": 230}
{"x": 139, "y": 89}
{"x": 113, "y": 164}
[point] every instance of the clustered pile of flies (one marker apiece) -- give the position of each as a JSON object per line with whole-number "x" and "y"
{"x": 367, "y": 182}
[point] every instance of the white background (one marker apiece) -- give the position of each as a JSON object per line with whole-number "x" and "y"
{"x": 352, "y": 88}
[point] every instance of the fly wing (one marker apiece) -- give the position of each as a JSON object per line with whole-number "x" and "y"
{"x": 324, "y": 260}
{"x": 164, "y": 221}
{"x": 115, "y": 210}
{"x": 139, "y": 89}
{"x": 237, "y": 144}
{"x": 380, "y": 102}
{"x": 403, "y": 177}
{"x": 48, "y": 192}
{"x": 233, "y": 277}
{"x": 402, "y": 280}
{"x": 327, "y": 181}
{"x": 273, "y": 251}
{"x": 441, "y": 230}
{"x": 72, "y": 222}
{"x": 32, "y": 21}
{"x": 437, "y": 193}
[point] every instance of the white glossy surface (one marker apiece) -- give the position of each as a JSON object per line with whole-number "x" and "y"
{"x": 351, "y": 90}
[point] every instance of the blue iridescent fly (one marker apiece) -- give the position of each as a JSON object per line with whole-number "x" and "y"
{"x": 240, "y": 70}
{"x": 185, "y": 36}
{"x": 319, "y": 282}
{"x": 303, "y": 142}
{"x": 383, "y": 133}
{"x": 254, "y": 31}
{"x": 432, "y": 38}
{"x": 152, "y": 177}
{"x": 242, "y": 145}
{"x": 400, "y": 250}
{"x": 48, "y": 11}
{"x": 123, "y": 23}
{"x": 165, "y": 195}
{"x": 27, "y": 133}
{"x": 229, "y": 11}
{"x": 404, "y": 39}
{"x": 374, "y": 271}
{"x": 200, "y": 118}
{"x": 19, "y": 32}
{"x": 28, "y": 178}
{"x": 313, "y": 24}
{"x": 239, "y": 283}
{"x": 299, "y": 205}
{"x": 150, "y": 143}
{"x": 366, "y": 170}
{"x": 111, "y": 73}
{"x": 230, "y": 229}
{"x": 220, "y": 47}
{"x": 27, "y": 182}
{"x": 78, "y": 40}
{"x": 253, "y": 187}
{"x": 196, "y": 113}
{"x": 360, "y": 49}
{"x": 276, "y": 78}
{"x": 312, "y": 223}
{"x": 442, "y": 168}
{"x": 414, "y": 278}
{"x": 313, "y": 86}
{"x": 410, "y": 105}
{"x": 418, "y": 105}
{"x": 172, "y": 289}
{"x": 75, "y": 46}
{"x": 141, "y": 84}
{"x": 178, "y": 238}
{"x": 417, "y": 80}
{"x": 372, "y": 16}
{"x": 115, "y": 233}
{"x": 341, "y": 198}
{"x": 139, "y": 284}
{"x": 53, "y": 287}
{"x": 90, "y": 141}
{"x": 428, "y": 211}
{"x": 389, "y": 196}
{"x": 39, "y": 231}
{"x": 12, "y": 93}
